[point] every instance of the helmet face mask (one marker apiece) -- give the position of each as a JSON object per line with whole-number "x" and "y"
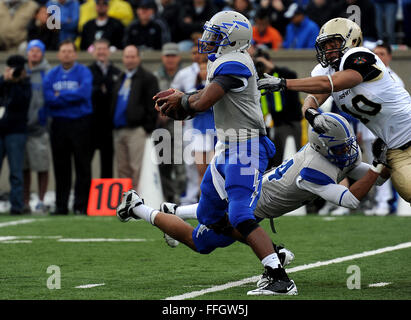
{"x": 339, "y": 145}
{"x": 212, "y": 38}
{"x": 337, "y": 30}
{"x": 345, "y": 154}
{"x": 327, "y": 46}
{"x": 226, "y": 31}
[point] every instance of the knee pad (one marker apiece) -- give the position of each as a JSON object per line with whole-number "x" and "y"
{"x": 223, "y": 226}
{"x": 246, "y": 227}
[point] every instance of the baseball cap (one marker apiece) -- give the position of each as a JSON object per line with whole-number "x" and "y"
{"x": 36, "y": 43}
{"x": 147, "y": 4}
{"x": 170, "y": 48}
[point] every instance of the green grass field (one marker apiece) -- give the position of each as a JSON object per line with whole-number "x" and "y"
{"x": 147, "y": 269}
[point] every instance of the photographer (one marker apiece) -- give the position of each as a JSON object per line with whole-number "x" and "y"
{"x": 284, "y": 107}
{"x": 15, "y": 94}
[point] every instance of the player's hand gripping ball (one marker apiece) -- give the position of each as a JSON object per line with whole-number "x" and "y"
{"x": 168, "y": 102}
{"x": 162, "y": 94}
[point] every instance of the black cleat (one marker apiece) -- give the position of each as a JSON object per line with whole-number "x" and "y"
{"x": 278, "y": 284}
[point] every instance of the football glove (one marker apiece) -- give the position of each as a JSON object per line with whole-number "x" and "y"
{"x": 271, "y": 84}
{"x": 379, "y": 151}
{"x": 319, "y": 123}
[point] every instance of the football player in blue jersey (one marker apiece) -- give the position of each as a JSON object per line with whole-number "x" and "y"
{"x": 232, "y": 183}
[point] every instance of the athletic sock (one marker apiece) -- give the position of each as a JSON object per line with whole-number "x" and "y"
{"x": 145, "y": 212}
{"x": 271, "y": 261}
{"x": 187, "y": 212}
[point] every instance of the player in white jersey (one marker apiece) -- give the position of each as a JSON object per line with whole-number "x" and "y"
{"x": 360, "y": 85}
{"x": 231, "y": 185}
{"x": 313, "y": 172}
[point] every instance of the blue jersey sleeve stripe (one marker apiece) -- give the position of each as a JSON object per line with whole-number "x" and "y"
{"x": 233, "y": 68}
{"x": 315, "y": 176}
{"x": 342, "y": 195}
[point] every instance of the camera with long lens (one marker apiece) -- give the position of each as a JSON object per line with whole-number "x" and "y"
{"x": 17, "y": 63}
{"x": 260, "y": 66}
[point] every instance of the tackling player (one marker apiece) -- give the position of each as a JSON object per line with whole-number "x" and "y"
{"x": 312, "y": 172}
{"x": 361, "y": 86}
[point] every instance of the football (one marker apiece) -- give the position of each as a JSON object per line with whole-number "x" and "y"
{"x": 163, "y": 94}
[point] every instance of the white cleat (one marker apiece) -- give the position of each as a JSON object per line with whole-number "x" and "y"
{"x": 340, "y": 211}
{"x": 326, "y": 209}
{"x": 129, "y": 201}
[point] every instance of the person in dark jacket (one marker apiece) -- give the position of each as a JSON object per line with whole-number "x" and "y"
{"x": 67, "y": 93}
{"x": 193, "y": 16}
{"x": 15, "y": 94}
{"x": 37, "y": 30}
{"x": 103, "y": 27}
{"x": 133, "y": 113}
{"x": 105, "y": 74}
{"x": 147, "y": 31}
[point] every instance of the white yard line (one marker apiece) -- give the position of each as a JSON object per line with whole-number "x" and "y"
{"x": 379, "y": 284}
{"x": 87, "y": 286}
{"x": 16, "y": 222}
{"x": 229, "y": 285}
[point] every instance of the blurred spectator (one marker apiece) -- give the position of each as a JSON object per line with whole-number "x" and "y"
{"x": 319, "y": 11}
{"x": 169, "y": 13}
{"x": 192, "y": 18}
{"x": 284, "y": 107}
{"x": 37, "y": 146}
{"x": 69, "y": 11}
{"x": 118, "y": 9}
{"x": 385, "y": 18}
{"x": 264, "y": 34}
{"x": 367, "y": 16}
{"x": 15, "y": 15}
{"x": 384, "y": 52}
{"x": 133, "y": 113}
{"x": 105, "y": 74}
{"x": 186, "y": 80}
{"x": 37, "y": 29}
{"x": 103, "y": 27}
{"x": 15, "y": 94}
{"x": 276, "y": 10}
{"x": 67, "y": 93}
{"x": 406, "y": 21}
{"x": 147, "y": 31}
{"x": 301, "y": 32}
{"x": 172, "y": 174}
{"x": 245, "y": 7}
{"x": 204, "y": 136}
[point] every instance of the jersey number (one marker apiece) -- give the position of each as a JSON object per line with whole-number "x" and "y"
{"x": 373, "y": 109}
{"x": 281, "y": 170}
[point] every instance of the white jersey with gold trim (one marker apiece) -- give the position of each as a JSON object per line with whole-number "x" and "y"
{"x": 380, "y": 103}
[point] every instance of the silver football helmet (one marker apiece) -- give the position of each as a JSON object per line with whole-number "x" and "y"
{"x": 339, "y": 144}
{"x": 348, "y": 34}
{"x": 226, "y": 31}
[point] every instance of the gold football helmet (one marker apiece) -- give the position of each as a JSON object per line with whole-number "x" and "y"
{"x": 340, "y": 34}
